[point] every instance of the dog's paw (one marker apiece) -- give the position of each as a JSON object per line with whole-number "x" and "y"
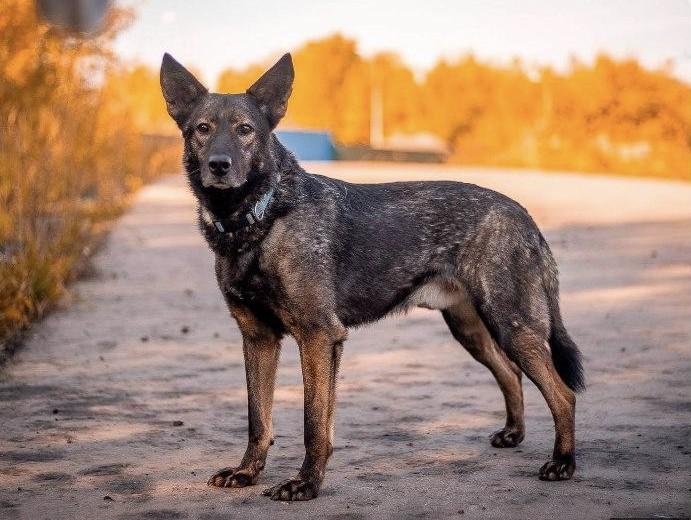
{"x": 506, "y": 438}
{"x": 293, "y": 489}
{"x": 557, "y": 470}
{"x": 233, "y": 478}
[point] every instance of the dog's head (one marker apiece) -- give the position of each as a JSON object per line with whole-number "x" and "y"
{"x": 226, "y": 136}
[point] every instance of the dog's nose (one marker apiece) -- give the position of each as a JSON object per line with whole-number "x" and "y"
{"x": 219, "y": 164}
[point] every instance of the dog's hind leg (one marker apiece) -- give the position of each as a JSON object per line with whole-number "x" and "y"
{"x": 531, "y": 351}
{"x": 467, "y": 327}
{"x": 261, "y": 348}
{"x": 511, "y": 278}
{"x": 523, "y": 334}
{"x": 518, "y": 317}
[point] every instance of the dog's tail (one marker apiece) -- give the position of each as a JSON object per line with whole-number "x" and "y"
{"x": 565, "y": 354}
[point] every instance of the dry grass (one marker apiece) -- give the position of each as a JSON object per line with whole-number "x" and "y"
{"x": 69, "y": 156}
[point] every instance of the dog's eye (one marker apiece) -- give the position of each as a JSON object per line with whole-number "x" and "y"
{"x": 244, "y": 129}
{"x": 203, "y": 128}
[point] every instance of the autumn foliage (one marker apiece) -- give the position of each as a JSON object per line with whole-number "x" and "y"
{"x": 70, "y": 152}
{"x": 608, "y": 116}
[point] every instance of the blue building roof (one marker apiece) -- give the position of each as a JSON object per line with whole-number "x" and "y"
{"x": 308, "y": 145}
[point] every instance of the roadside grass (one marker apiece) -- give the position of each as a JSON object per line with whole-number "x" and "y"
{"x": 71, "y": 153}
{"x": 45, "y": 243}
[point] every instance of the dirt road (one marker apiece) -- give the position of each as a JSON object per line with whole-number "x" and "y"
{"x": 123, "y": 403}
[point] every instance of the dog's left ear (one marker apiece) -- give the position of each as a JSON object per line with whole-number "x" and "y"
{"x": 181, "y": 90}
{"x": 272, "y": 90}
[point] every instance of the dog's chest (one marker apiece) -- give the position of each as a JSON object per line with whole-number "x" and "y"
{"x": 241, "y": 279}
{"x": 238, "y": 270}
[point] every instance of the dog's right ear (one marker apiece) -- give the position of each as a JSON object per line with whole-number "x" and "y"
{"x": 272, "y": 90}
{"x": 181, "y": 90}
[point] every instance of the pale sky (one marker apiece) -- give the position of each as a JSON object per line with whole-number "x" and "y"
{"x": 214, "y": 34}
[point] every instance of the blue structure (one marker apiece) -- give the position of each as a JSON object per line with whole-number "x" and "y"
{"x": 308, "y": 145}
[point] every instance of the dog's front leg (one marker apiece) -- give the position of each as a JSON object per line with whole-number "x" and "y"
{"x": 261, "y": 348}
{"x": 320, "y": 354}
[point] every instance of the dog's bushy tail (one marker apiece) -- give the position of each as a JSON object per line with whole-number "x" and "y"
{"x": 566, "y": 357}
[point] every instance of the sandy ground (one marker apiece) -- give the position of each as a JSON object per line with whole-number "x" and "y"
{"x": 124, "y": 402}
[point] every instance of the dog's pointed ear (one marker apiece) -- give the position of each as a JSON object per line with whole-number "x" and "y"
{"x": 272, "y": 90}
{"x": 181, "y": 90}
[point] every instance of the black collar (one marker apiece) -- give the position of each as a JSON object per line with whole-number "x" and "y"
{"x": 256, "y": 214}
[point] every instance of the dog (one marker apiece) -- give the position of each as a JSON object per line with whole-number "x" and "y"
{"x": 310, "y": 256}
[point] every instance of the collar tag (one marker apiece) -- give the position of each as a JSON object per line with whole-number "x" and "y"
{"x": 257, "y": 213}
{"x": 218, "y": 225}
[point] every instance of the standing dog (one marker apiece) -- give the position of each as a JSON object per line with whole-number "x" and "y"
{"x": 310, "y": 256}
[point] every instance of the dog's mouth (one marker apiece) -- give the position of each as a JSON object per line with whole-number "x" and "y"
{"x": 221, "y": 183}
{"x": 217, "y": 185}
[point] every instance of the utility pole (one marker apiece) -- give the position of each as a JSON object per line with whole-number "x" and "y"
{"x": 376, "y": 118}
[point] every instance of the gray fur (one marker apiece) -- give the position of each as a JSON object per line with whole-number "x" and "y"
{"x": 329, "y": 255}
